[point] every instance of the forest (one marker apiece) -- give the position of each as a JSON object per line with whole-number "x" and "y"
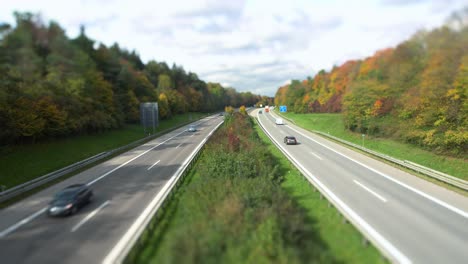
{"x": 415, "y": 92}
{"x": 55, "y": 86}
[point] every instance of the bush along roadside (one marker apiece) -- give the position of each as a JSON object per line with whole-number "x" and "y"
{"x": 232, "y": 209}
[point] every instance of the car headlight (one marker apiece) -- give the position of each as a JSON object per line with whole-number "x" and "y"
{"x": 68, "y": 206}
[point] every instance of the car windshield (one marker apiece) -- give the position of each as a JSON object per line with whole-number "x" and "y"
{"x": 65, "y": 195}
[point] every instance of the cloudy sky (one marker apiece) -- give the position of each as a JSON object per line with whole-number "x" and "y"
{"x": 251, "y": 45}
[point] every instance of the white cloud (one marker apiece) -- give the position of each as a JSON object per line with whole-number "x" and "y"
{"x": 250, "y": 45}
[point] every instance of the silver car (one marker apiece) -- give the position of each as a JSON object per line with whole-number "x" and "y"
{"x": 192, "y": 129}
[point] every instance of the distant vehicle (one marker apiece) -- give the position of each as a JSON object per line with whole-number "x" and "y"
{"x": 279, "y": 121}
{"x": 260, "y": 112}
{"x": 192, "y": 129}
{"x": 221, "y": 114}
{"x": 290, "y": 140}
{"x": 267, "y": 109}
{"x": 69, "y": 200}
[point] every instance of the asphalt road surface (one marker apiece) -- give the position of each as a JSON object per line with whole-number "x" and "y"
{"x": 414, "y": 220}
{"x": 122, "y": 186}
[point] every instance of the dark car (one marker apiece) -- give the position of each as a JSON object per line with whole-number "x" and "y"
{"x": 290, "y": 140}
{"x": 69, "y": 200}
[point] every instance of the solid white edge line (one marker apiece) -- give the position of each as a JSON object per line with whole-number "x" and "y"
{"x": 36, "y": 214}
{"x": 89, "y": 216}
{"x": 127, "y": 237}
{"x": 153, "y": 165}
{"x": 372, "y": 192}
{"x": 22, "y": 222}
{"x": 427, "y": 196}
{"x": 400, "y": 257}
{"x": 114, "y": 253}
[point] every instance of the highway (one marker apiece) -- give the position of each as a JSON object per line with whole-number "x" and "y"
{"x": 123, "y": 187}
{"x": 413, "y": 220}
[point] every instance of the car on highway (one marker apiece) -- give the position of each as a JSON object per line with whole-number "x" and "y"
{"x": 279, "y": 121}
{"x": 192, "y": 129}
{"x": 260, "y": 112}
{"x": 290, "y": 140}
{"x": 69, "y": 200}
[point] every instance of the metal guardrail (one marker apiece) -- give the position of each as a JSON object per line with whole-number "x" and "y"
{"x": 37, "y": 182}
{"x": 27, "y": 186}
{"x": 462, "y": 184}
{"x": 347, "y": 214}
{"x": 454, "y": 181}
{"x": 134, "y": 234}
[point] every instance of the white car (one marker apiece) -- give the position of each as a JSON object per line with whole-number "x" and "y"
{"x": 279, "y": 121}
{"x": 192, "y": 129}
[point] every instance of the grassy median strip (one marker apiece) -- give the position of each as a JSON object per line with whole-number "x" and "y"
{"x": 243, "y": 203}
{"x": 333, "y": 125}
{"x": 22, "y": 163}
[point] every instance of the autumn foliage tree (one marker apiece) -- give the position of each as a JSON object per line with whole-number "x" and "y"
{"x": 416, "y": 92}
{"x": 51, "y": 85}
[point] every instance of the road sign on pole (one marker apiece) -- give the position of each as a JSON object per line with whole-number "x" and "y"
{"x": 283, "y": 109}
{"x": 149, "y": 116}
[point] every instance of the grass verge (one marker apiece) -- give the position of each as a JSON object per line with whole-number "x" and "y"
{"x": 333, "y": 125}
{"x": 22, "y": 163}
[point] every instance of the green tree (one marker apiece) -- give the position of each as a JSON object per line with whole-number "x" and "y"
{"x": 163, "y": 105}
{"x": 164, "y": 82}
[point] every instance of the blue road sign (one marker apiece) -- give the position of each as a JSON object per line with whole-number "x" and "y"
{"x": 283, "y": 109}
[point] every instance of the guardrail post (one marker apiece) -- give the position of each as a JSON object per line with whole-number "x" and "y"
{"x": 365, "y": 242}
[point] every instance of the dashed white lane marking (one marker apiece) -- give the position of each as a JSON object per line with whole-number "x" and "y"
{"x": 421, "y": 193}
{"x": 22, "y": 222}
{"x": 372, "y": 192}
{"x": 36, "y": 214}
{"x": 389, "y": 247}
{"x": 89, "y": 216}
{"x": 317, "y": 156}
{"x": 129, "y": 236}
{"x": 154, "y": 165}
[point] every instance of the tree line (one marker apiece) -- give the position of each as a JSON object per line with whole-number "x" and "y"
{"x": 416, "y": 92}
{"x": 52, "y": 85}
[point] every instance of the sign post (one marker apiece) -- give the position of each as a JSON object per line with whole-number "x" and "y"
{"x": 149, "y": 116}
